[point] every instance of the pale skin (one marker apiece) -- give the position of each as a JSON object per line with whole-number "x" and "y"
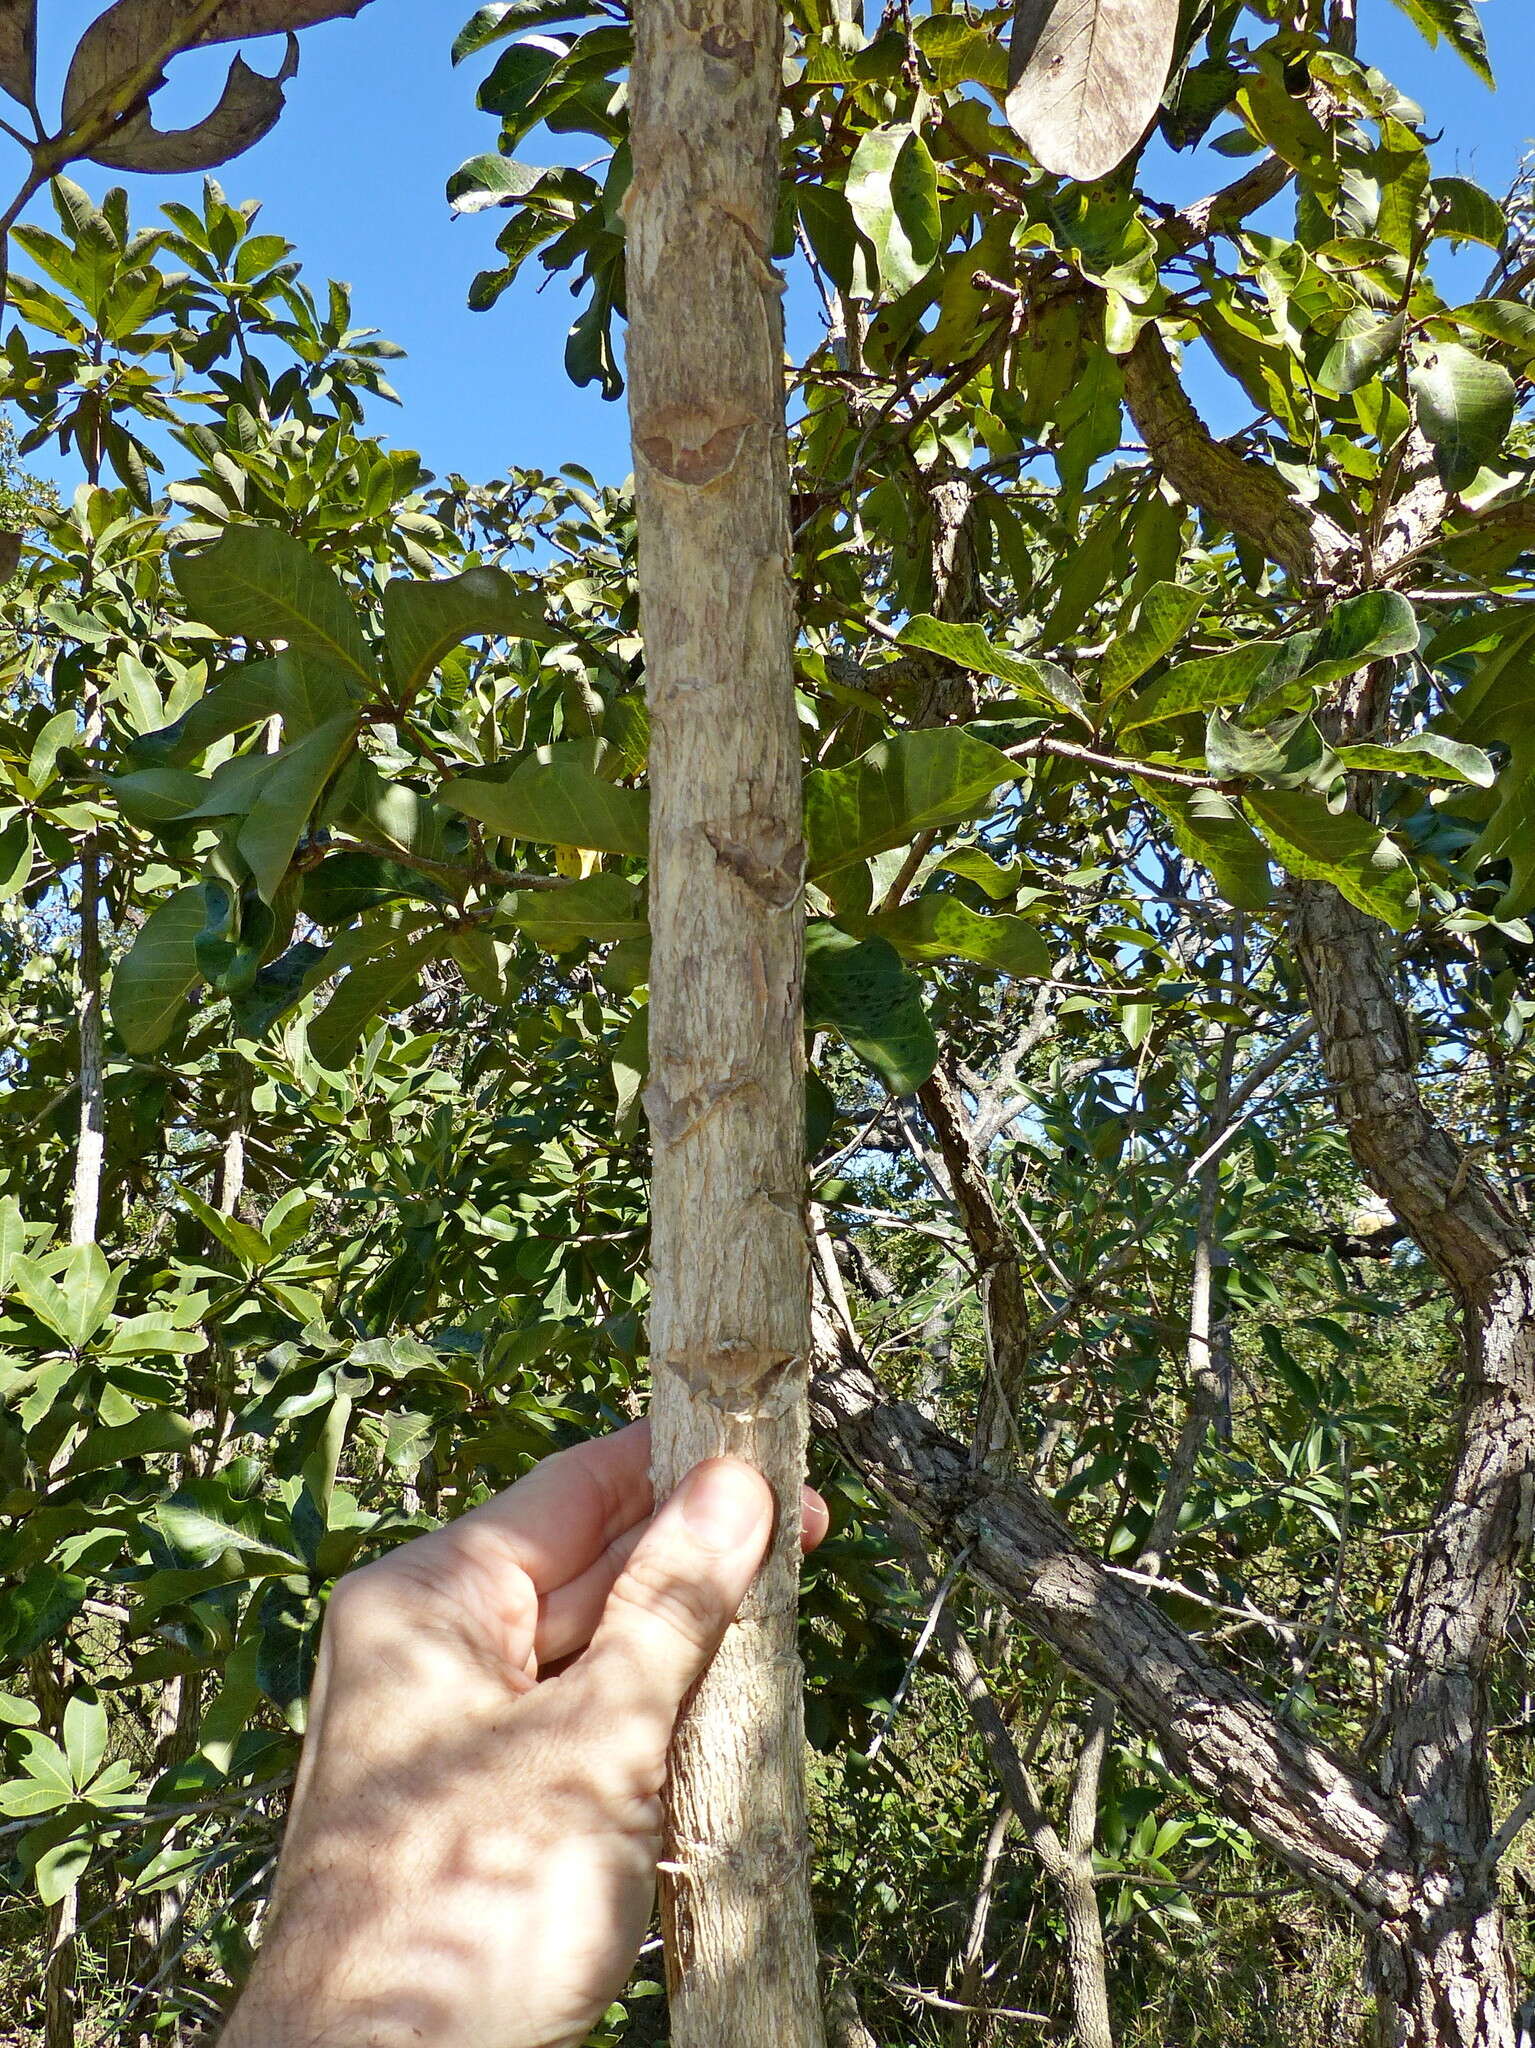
{"x": 471, "y": 1853}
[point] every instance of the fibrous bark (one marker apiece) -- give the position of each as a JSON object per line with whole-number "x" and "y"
{"x": 730, "y": 1275}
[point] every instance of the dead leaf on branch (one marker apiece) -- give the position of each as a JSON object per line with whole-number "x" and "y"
{"x": 1086, "y": 79}
{"x": 18, "y": 48}
{"x": 120, "y": 63}
{"x": 248, "y": 108}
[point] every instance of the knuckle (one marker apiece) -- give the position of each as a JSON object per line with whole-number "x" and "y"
{"x": 360, "y": 1599}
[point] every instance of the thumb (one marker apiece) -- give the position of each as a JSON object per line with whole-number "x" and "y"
{"x": 679, "y": 1592}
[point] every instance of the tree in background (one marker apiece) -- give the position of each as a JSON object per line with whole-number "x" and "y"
{"x": 1167, "y": 976}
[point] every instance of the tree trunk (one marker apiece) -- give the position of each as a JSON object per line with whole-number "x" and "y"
{"x": 729, "y": 1325}
{"x": 1445, "y": 1978}
{"x": 91, "y": 1137}
{"x": 1087, "y": 1958}
{"x": 1444, "y": 1972}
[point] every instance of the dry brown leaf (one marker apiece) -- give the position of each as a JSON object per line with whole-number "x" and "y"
{"x": 1088, "y": 75}
{"x": 248, "y": 107}
{"x": 135, "y": 34}
{"x": 18, "y": 47}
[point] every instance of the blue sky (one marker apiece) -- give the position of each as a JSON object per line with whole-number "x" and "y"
{"x": 377, "y": 118}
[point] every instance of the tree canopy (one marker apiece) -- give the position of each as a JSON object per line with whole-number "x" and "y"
{"x": 1168, "y": 871}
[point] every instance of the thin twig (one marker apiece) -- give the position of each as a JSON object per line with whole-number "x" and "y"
{"x": 929, "y": 1627}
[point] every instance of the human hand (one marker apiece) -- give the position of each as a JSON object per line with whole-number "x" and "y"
{"x": 471, "y": 1852}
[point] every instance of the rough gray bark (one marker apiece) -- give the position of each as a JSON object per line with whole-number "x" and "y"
{"x": 1325, "y": 1820}
{"x": 1086, "y": 1954}
{"x": 1445, "y": 1974}
{"x": 1249, "y": 498}
{"x": 730, "y": 1276}
{"x": 1441, "y": 1966}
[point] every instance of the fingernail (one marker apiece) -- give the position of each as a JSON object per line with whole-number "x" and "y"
{"x": 723, "y": 1504}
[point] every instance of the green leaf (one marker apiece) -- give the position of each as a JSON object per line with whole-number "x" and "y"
{"x": 1506, "y": 320}
{"x": 76, "y": 1300}
{"x": 1202, "y": 685}
{"x": 1209, "y": 829}
{"x": 1509, "y": 834}
{"x": 154, "y": 796}
{"x": 344, "y": 885}
{"x": 60, "y": 1867}
{"x": 1464, "y": 406}
{"x": 1163, "y": 617}
{"x": 828, "y": 221}
{"x": 1362, "y": 345}
{"x": 1316, "y": 844}
{"x": 33, "y": 1612}
{"x": 1456, "y": 21}
{"x": 310, "y": 690}
{"x": 203, "y": 1522}
{"x": 990, "y": 876}
{"x": 859, "y": 989}
{"x": 901, "y": 786}
{"x": 512, "y": 17}
{"x": 892, "y": 189}
{"x": 241, "y": 698}
{"x": 289, "y": 793}
{"x": 152, "y": 1335}
{"x": 247, "y": 1244}
{"x": 491, "y": 181}
{"x": 962, "y": 53}
{"x": 423, "y": 621}
{"x": 157, "y": 1429}
{"x": 1428, "y": 754}
{"x": 968, "y": 647}
{"x": 257, "y": 583}
{"x": 289, "y": 1623}
{"x": 1465, "y": 213}
{"x": 16, "y": 851}
{"x": 556, "y": 803}
{"x": 48, "y": 1782}
{"x": 226, "y": 1719}
{"x": 602, "y": 908}
{"x": 1291, "y": 752}
{"x": 1371, "y": 627}
{"x": 13, "y": 1237}
{"x": 369, "y": 987}
{"x": 938, "y": 927}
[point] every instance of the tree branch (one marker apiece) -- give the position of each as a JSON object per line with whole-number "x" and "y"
{"x": 1247, "y": 497}
{"x": 1324, "y": 1820}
